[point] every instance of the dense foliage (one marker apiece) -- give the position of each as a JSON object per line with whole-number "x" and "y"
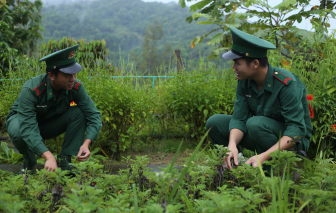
{"x": 276, "y": 23}
{"x": 20, "y": 29}
{"x": 88, "y": 51}
{"x": 203, "y": 185}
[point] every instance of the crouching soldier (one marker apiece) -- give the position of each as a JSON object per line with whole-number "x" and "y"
{"x": 270, "y": 102}
{"x": 42, "y": 111}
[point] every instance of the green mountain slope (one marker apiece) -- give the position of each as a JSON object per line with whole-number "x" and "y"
{"x": 122, "y": 23}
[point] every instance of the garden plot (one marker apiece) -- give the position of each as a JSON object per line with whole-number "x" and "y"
{"x": 201, "y": 186}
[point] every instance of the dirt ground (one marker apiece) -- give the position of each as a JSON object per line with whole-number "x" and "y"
{"x": 155, "y": 156}
{"x": 158, "y": 159}
{"x": 165, "y": 158}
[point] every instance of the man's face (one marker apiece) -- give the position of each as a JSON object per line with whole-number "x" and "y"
{"x": 242, "y": 70}
{"x": 64, "y": 81}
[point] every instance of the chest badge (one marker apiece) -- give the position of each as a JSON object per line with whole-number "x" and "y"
{"x": 248, "y": 96}
{"x": 269, "y": 85}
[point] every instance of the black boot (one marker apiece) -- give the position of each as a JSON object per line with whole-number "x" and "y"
{"x": 63, "y": 162}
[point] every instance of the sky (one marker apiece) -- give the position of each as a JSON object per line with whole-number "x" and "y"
{"x": 305, "y": 24}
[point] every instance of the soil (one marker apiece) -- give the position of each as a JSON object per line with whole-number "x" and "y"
{"x": 163, "y": 158}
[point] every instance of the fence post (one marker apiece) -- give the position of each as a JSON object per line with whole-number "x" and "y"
{"x": 178, "y": 60}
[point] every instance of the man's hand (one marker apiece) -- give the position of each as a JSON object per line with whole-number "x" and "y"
{"x": 253, "y": 161}
{"x": 50, "y": 164}
{"x": 84, "y": 152}
{"x": 232, "y": 154}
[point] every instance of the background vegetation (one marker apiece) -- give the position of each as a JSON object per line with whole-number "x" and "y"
{"x": 123, "y": 24}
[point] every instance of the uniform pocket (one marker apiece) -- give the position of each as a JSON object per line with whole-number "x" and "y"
{"x": 273, "y": 112}
{"x": 41, "y": 110}
{"x": 253, "y": 104}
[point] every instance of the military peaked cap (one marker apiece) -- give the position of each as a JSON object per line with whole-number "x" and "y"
{"x": 246, "y": 45}
{"x": 63, "y": 60}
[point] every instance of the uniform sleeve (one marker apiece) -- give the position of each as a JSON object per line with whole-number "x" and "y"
{"x": 26, "y": 114}
{"x": 292, "y": 110}
{"x": 241, "y": 111}
{"x": 91, "y": 113}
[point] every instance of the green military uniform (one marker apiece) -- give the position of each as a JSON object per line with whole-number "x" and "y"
{"x": 279, "y": 109}
{"x": 38, "y": 114}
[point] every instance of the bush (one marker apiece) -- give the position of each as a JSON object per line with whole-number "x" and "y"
{"x": 196, "y": 95}
{"x": 89, "y": 51}
{"x": 315, "y": 66}
{"x": 125, "y": 108}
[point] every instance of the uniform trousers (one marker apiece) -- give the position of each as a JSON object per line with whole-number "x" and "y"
{"x": 262, "y": 132}
{"x": 72, "y": 122}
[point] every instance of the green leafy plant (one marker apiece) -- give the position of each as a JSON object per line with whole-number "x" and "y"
{"x": 8, "y": 155}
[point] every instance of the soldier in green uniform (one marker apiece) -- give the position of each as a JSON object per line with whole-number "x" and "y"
{"x": 42, "y": 111}
{"x": 270, "y": 103}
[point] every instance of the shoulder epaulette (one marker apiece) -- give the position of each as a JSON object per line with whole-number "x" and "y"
{"x": 283, "y": 78}
{"x": 76, "y": 85}
{"x": 40, "y": 88}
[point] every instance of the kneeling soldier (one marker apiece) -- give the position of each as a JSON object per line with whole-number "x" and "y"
{"x": 42, "y": 111}
{"x": 269, "y": 102}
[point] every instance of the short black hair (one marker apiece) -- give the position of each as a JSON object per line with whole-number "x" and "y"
{"x": 262, "y": 61}
{"x": 54, "y": 71}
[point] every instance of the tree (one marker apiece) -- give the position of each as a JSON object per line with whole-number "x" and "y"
{"x": 20, "y": 28}
{"x": 276, "y": 24}
{"x": 150, "y": 58}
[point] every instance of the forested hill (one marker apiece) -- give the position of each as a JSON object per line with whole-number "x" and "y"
{"x": 122, "y": 23}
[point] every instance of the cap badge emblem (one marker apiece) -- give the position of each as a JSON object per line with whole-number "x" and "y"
{"x": 247, "y": 54}
{"x": 72, "y": 54}
{"x": 269, "y": 85}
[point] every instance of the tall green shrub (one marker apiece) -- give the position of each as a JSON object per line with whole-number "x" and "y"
{"x": 195, "y": 95}
{"x": 315, "y": 66}
{"x": 124, "y": 106}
